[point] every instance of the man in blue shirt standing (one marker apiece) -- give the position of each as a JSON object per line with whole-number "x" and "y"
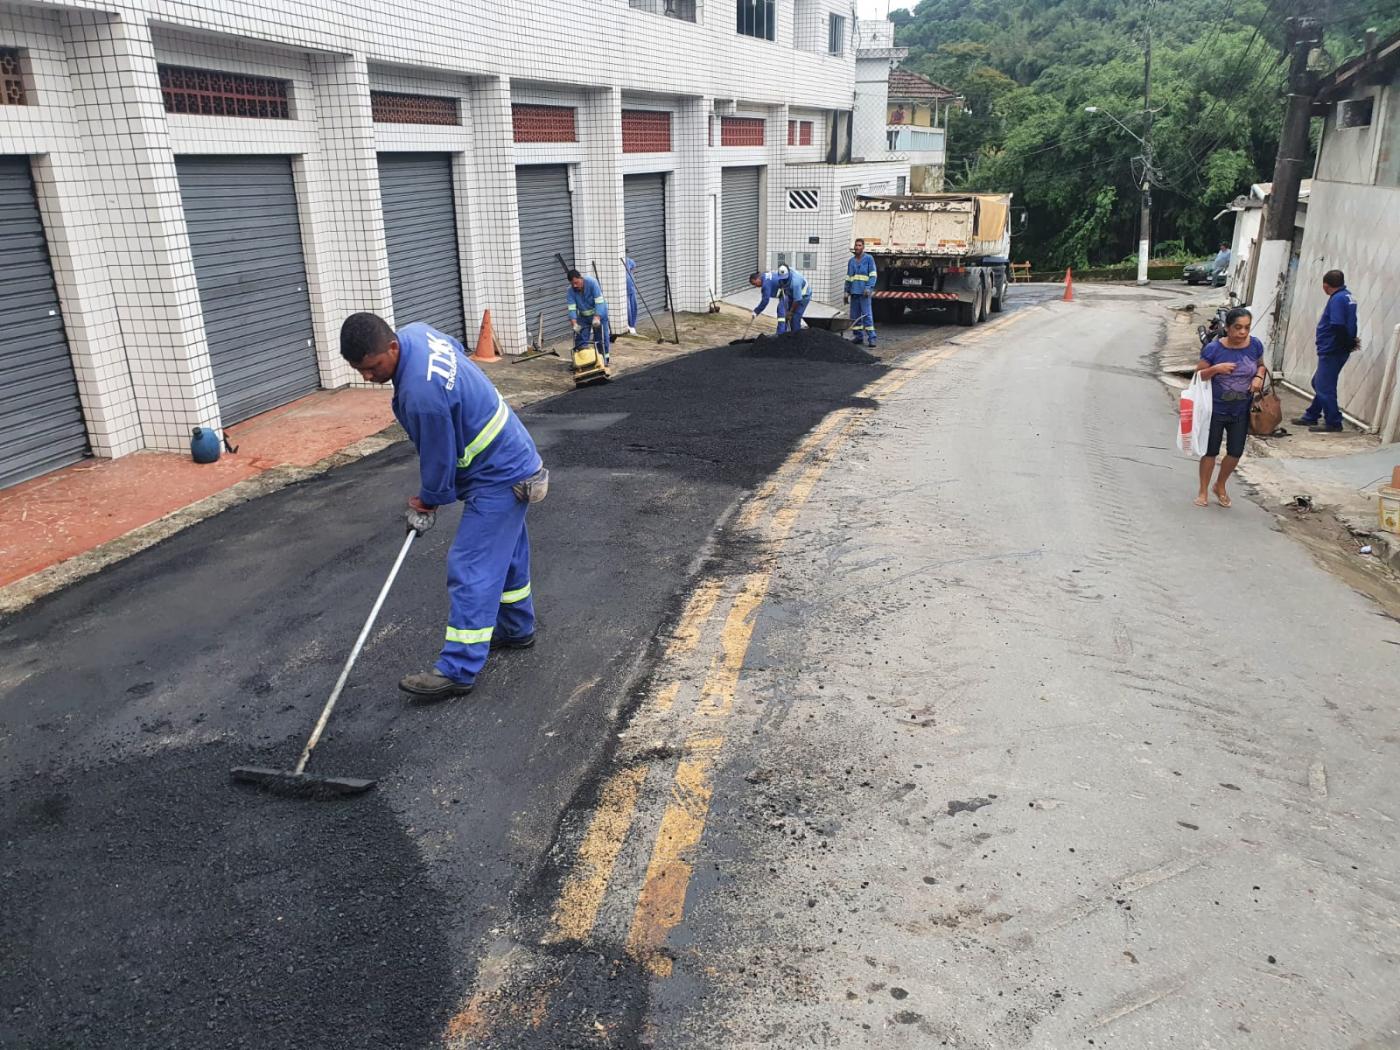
{"x": 473, "y": 448}
{"x": 860, "y": 286}
{"x": 1336, "y": 339}
{"x": 631, "y": 265}
{"x": 588, "y": 314}
{"x": 1220, "y": 269}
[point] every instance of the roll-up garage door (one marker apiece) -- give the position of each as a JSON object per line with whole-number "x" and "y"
{"x": 546, "y": 228}
{"x": 41, "y": 419}
{"x": 242, "y": 218}
{"x": 644, "y": 197}
{"x": 739, "y": 191}
{"x": 420, "y": 225}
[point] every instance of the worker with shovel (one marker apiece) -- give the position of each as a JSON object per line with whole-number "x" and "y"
{"x": 473, "y": 448}
{"x": 588, "y": 313}
{"x": 791, "y": 290}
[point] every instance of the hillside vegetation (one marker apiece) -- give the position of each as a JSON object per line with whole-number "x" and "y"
{"x": 1029, "y": 67}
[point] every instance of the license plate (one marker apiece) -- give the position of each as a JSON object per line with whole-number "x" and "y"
{"x": 913, "y": 282}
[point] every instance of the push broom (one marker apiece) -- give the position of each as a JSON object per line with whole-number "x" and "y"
{"x": 297, "y": 780}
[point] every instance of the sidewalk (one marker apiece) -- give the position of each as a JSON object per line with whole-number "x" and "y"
{"x": 1337, "y": 473}
{"x": 62, "y": 526}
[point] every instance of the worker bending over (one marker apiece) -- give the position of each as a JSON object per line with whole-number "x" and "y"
{"x": 791, "y": 290}
{"x": 860, "y": 287}
{"x": 473, "y": 448}
{"x": 588, "y": 313}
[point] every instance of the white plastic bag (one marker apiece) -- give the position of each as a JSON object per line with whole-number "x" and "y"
{"x": 1194, "y": 410}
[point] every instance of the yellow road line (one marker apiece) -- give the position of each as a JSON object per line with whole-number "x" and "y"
{"x": 690, "y": 628}
{"x": 582, "y": 895}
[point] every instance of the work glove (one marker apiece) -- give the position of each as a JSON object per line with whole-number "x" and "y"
{"x": 757, "y": 312}
{"x": 597, "y": 322}
{"x": 574, "y": 326}
{"x": 534, "y": 488}
{"x": 419, "y": 521}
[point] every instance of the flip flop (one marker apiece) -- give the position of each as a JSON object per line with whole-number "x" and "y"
{"x": 1222, "y": 499}
{"x": 1202, "y": 501}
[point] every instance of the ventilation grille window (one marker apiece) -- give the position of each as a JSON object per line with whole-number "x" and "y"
{"x": 209, "y": 93}
{"x": 392, "y": 108}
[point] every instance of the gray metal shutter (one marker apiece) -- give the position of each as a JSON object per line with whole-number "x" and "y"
{"x": 546, "y": 227}
{"x": 644, "y": 199}
{"x": 420, "y": 225}
{"x": 739, "y": 191}
{"x": 246, "y": 239}
{"x": 41, "y": 418}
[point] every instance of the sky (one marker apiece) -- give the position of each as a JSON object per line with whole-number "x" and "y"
{"x": 878, "y": 8}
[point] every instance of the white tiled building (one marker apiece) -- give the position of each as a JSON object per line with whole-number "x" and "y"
{"x": 193, "y": 196}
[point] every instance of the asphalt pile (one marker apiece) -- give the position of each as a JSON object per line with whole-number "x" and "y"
{"x": 812, "y": 344}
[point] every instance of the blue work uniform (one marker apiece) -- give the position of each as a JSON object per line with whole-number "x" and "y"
{"x": 631, "y": 294}
{"x": 794, "y": 296}
{"x": 770, "y": 287}
{"x": 860, "y": 286}
{"x": 473, "y": 448}
{"x": 1336, "y": 338}
{"x": 583, "y": 306}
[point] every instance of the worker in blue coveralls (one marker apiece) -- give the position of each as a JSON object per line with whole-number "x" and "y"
{"x": 860, "y": 287}
{"x": 588, "y": 313}
{"x": 631, "y": 264}
{"x": 791, "y": 290}
{"x": 473, "y": 448}
{"x": 1336, "y": 340}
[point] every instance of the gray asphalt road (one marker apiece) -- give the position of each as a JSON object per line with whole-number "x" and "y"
{"x": 1027, "y": 750}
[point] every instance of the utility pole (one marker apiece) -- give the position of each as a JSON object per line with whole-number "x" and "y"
{"x": 1145, "y": 229}
{"x": 1276, "y": 249}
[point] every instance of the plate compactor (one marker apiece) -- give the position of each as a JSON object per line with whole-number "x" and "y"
{"x": 588, "y": 361}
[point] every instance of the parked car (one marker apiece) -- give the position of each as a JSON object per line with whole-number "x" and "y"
{"x": 1202, "y": 272}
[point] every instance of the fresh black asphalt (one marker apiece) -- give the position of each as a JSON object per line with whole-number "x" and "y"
{"x": 147, "y": 902}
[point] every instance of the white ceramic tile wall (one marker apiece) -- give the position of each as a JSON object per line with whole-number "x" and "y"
{"x": 124, "y": 269}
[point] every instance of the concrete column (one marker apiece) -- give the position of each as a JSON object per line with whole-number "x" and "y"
{"x": 492, "y": 255}
{"x": 117, "y": 99}
{"x": 600, "y": 196}
{"x": 73, "y": 229}
{"x": 694, "y": 205}
{"x": 342, "y": 220}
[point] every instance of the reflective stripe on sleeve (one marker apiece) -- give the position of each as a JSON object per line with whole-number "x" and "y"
{"x": 487, "y": 435}
{"x": 468, "y": 636}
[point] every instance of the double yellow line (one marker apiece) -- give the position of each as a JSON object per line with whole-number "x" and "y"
{"x": 768, "y": 517}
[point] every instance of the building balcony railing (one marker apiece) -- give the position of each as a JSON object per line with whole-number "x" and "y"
{"x": 923, "y": 145}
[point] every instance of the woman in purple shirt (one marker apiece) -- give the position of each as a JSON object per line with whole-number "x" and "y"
{"x": 1236, "y": 370}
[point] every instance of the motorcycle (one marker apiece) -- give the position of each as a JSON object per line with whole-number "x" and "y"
{"x": 1215, "y": 327}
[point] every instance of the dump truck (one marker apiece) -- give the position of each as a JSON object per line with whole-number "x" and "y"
{"x": 937, "y": 249}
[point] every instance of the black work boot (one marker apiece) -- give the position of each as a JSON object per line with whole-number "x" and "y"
{"x": 1323, "y": 428}
{"x": 523, "y": 642}
{"x": 433, "y": 686}
{"x": 1304, "y": 421}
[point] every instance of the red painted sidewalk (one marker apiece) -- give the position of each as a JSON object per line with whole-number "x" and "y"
{"x": 54, "y": 517}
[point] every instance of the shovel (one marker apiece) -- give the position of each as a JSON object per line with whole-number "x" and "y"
{"x": 297, "y": 781}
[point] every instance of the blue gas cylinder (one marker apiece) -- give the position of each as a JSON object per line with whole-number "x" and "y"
{"x": 204, "y": 445}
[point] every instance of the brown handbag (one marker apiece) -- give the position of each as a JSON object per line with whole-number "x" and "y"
{"x": 1266, "y": 412}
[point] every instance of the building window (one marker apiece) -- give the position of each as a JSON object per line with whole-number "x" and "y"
{"x": 543, "y": 123}
{"x": 901, "y": 185}
{"x": 757, "y": 18}
{"x": 646, "y": 131}
{"x": 210, "y": 93}
{"x": 741, "y": 131}
{"x": 836, "y": 35}
{"x": 11, "y": 79}
{"x": 681, "y": 9}
{"x": 848, "y": 199}
{"x": 1355, "y": 113}
{"x": 392, "y": 108}
{"x": 802, "y": 200}
{"x": 799, "y": 132}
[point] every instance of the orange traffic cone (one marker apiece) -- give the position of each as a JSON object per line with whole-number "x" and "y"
{"x": 1069, "y": 285}
{"x": 486, "y": 341}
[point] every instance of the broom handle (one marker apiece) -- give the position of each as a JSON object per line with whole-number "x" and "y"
{"x": 354, "y": 653}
